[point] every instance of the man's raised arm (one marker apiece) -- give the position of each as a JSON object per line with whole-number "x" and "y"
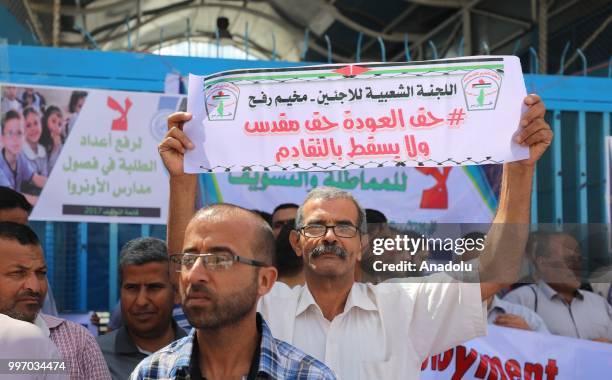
{"x": 183, "y": 186}
{"x": 506, "y": 240}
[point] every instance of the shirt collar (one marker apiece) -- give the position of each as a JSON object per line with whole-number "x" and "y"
{"x": 550, "y": 292}
{"x": 357, "y": 297}
{"x": 47, "y": 323}
{"x": 31, "y": 155}
{"x": 496, "y": 303}
{"x": 125, "y": 345}
{"x": 268, "y": 358}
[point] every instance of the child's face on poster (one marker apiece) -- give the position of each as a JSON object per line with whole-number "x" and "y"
{"x": 12, "y": 136}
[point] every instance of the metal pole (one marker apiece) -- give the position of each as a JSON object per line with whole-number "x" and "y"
{"x": 434, "y": 50}
{"x": 358, "y": 52}
{"x": 113, "y": 264}
{"x": 305, "y": 45}
{"x": 543, "y": 36}
{"x": 329, "y": 49}
{"x": 273, "y": 46}
{"x": 129, "y": 34}
{"x": 246, "y": 40}
{"x": 562, "y": 64}
{"x": 406, "y": 47}
{"x": 534, "y": 60}
{"x": 188, "y": 36}
{"x": 584, "y": 62}
{"x": 383, "y": 54}
{"x": 467, "y": 30}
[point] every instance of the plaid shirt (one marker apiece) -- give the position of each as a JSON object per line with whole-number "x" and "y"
{"x": 77, "y": 347}
{"x": 278, "y": 360}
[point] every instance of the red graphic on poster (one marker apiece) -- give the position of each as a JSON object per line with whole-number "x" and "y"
{"x": 120, "y": 123}
{"x": 437, "y": 196}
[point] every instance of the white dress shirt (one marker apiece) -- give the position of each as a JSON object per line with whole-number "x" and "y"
{"x": 499, "y": 307}
{"x": 588, "y": 316}
{"x": 385, "y": 330}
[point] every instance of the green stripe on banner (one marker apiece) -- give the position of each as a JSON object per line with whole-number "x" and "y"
{"x": 481, "y": 184}
{"x": 211, "y": 193}
{"x": 364, "y": 75}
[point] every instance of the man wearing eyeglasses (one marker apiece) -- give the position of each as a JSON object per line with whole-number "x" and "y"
{"x": 225, "y": 268}
{"x": 365, "y": 331}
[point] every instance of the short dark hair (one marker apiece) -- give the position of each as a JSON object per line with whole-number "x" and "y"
{"x": 10, "y": 198}
{"x": 10, "y": 115}
{"x": 283, "y": 206}
{"x": 263, "y": 246}
{"x": 74, "y": 98}
{"x": 287, "y": 262}
{"x": 29, "y": 110}
{"x": 21, "y": 233}
{"x": 375, "y": 216}
{"x": 142, "y": 251}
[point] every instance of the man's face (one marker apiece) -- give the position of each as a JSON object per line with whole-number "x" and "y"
{"x": 15, "y": 215}
{"x": 23, "y": 280}
{"x": 32, "y": 128}
{"x": 282, "y": 217}
{"x": 562, "y": 265}
{"x": 147, "y": 299}
{"x": 329, "y": 255}
{"x": 215, "y": 298}
{"x": 12, "y": 136}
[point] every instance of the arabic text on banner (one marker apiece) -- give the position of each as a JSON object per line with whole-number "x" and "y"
{"x": 435, "y": 113}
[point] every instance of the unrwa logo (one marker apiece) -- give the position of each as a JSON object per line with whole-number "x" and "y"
{"x": 481, "y": 88}
{"x": 221, "y": 101}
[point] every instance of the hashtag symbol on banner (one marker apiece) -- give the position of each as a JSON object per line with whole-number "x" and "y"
{"x": 456, "y": 117}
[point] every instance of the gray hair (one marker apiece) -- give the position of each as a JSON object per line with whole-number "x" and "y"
{"x": 329, "y": 193}
{"x": 142, "y": 251}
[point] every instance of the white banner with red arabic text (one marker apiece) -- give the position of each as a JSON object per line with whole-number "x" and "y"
{"x": 461, "y": 111}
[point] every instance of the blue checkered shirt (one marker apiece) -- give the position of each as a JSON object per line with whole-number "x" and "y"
{"x": 278, "y": 360}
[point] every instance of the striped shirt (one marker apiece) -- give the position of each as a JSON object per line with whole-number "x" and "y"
{"x": 278, "y": 360}
{"x": 76, "y": 346}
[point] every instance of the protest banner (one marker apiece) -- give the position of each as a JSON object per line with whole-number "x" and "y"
{"x": 507, "y": 353}
{"x": 435, "y": 113}
{"x": 87, "y": 155}
{"x": 83, "y": 185}
{"x": 404, "y": 195}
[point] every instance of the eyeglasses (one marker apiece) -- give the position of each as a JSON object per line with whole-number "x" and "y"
{"x": 213, "y": 261}
{"x": 340, "y": 230}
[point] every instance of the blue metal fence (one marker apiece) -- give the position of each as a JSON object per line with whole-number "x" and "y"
{"x": 83, "y": 257}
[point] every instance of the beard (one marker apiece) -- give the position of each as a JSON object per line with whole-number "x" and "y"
{"x": 28, "y": 312}
{"x": 223, "y": 310}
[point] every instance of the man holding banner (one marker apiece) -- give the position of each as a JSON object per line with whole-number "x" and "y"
{"x": 365, "y": 331}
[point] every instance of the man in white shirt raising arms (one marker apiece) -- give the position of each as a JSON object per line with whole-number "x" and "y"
{"x": 365, "y": 331}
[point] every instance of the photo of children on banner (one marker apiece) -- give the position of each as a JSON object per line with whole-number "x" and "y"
{"x": 35, "y": 125}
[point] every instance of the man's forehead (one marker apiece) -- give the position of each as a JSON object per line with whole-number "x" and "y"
{"x": 146, "y": 273}
{"x": 335, "y": 209}
{"x": 210, "y": 233}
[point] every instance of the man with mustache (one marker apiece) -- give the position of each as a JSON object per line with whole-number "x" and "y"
{"x": 23, "y": 286}
{"x": 225, "y": 268}
{"x": 365, "y": 331}
{"x": 147, "y": 299}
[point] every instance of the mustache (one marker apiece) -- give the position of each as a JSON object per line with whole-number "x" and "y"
{"x": 200, "y": 290}
{"x": 333, "y": 249}
{"x": 30, "y": 294}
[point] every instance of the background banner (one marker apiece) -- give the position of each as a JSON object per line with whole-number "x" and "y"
{"x": 86, "y": 155}
{"x": 516, "y": 354}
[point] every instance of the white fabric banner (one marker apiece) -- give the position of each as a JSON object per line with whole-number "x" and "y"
{"x": 516, "y": 354}
{"x": 461, "y": 111}
{"x": 96, "y": 155}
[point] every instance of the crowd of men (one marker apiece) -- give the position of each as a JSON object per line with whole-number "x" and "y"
{"x": 292, "y": 297}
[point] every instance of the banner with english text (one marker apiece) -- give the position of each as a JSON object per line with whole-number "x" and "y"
{"x": 517, "y": 354}
{"x": 452, "y": 112}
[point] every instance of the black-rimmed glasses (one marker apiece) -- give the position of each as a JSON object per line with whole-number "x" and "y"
{"x": 318, "y": 230}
